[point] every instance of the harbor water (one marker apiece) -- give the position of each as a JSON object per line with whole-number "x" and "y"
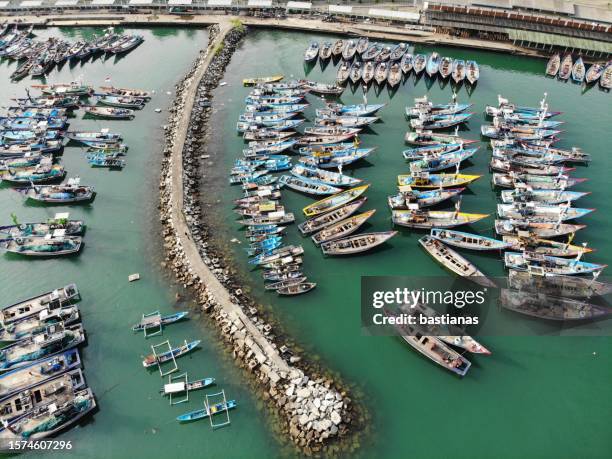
{"x": 544, "y": 396}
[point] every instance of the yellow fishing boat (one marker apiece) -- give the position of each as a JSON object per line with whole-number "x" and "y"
{"x": 426, "y": 180}
{"x": 254, "y": 81}
{"x": 335, "y": 201}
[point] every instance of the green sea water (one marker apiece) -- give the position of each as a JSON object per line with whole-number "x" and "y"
{"x": 534, "y": 397}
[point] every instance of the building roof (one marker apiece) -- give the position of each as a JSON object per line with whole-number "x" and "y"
{"x": 560, "y": 40}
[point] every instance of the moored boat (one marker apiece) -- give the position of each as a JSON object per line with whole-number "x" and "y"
{"x": 530, "y": 261}
{"x": 324, "y": 220}
{"x": 335, "y": 201}
{"x": 342, "y": 228}
{"x": 552, "y": 67}
{"x": 356, "y": 244}
{"x": 427, "y": 219}
{"x": 468, "y": 240}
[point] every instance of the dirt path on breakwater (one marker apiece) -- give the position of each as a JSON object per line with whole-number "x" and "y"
{"x": 373, "y": 31}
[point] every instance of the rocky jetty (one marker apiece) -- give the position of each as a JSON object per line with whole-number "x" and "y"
{"x": 314, "y": 411}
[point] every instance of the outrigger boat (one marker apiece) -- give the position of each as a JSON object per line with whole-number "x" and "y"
{"x": 156, "y": 359}
{"x": 155, "y": 320}
{"x": 207, "y": 411}
{"x": 335, "y": 201}
{"x": 324, "y": 220}
{"x": 356, "y": 244}
{"x": 469, "y": 241}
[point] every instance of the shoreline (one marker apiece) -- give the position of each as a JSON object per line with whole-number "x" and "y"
{"x": 318, "y": 413}
{"x": 372, "y": 31}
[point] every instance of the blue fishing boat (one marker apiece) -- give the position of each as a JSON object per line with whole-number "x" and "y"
{"x": 408, "y": 196}
{"x": 467, "y": 240}
{"x": 308, "y": 186}
{"x": 334, "y": 179}
{"x": 273, "y": 108}
{"x": 421, "y": 152}
{"x": 40, "y": 173}
{"x": 273, "y": 100}
{"x": 28, "y": 136}
{"x": 330, "y": 161}
{"x": 29, "y": 124}
{"x": 349, "y": 110}
{"x": 433, "y": 64}
{"x": 281, "y": 125}
{"x": 154, "y": 359}
{"x": 440, "y": 121}
{"x": 312, "y": 52}
{"x": 207, "y": 412}
{"x": 162, "y": 320}
{"x": 442, "y": 161}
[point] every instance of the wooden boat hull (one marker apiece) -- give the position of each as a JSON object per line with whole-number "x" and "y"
{"x": 356, "y": 244}
{"x": 322, "y": 221}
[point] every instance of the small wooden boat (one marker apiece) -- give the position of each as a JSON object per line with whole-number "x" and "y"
{"x": 373, "y": 51}
{"x": 335, "y": 201}
{"x": 472, "y": 72}
{"x": 432, "y": 122}
{"x": 385, "y": 54}
{"x": 369, "y": 69}
{"x": 407, "y": 197}
{"x": 427, "y": 219}
{"x": 406, "y": 63}
{"x": 324, "y": 220}
{"x": 530, "y": 261}
{"x": 543, "y": 230}
{"x": 469, "y": 241}
{"x": 207, "y": 412}
{"x": 355, "y": 74}
{"x": 38, "y": 323}
{"x": 308, "y": 186}
{"x": 326, "y": 51}
{"x": 318, "y": 140}
{"x": 356, "y": 244}
{"x": 453, "y": 261}
{"x": 156, "y": 320}
{"x": 272, "y": 218}
{"x": 183, "y": 386}
{"x": 550, "y": 197}
{"x": 419, "y": 63}
{"x": 279, "y": 257}
{"x": 336, "y": 160}
{"x": 343, "y": 74}
{"x": 560, "y": 286}
{"x": 51, "y": 245}
{"x": 424, "y": 137}
{"x": 324, "y": 176}
{"x": 566, "y": 67}
{"x": 578, "y": 71}
{"x": 529, "y": 168}
{"x": 545, "y": 246}
{"x": 316, "y": 87}
{"x": 381, "y": 73}
{"x": 97, "y": 160}
{"x": 594, "y": 73}
{"x": 312, "y": 52}
{"x": 422, "y": 106}
{"x": 540, "y": 212}
{"x": 413, "y": 154}
{"x": 296, "y": 289}
{"x": 433, "y": 64}
{"x": 397, "y": 53}
{"x": 553, "y": 65}
{"x": 342, "y": 228}
{"x": 122, "y": 102}
{"x": 126, "y": 92}
{"x": 109, "y": 113}
{"x": 362, "y": 45}
{"x": 285, "y": 283}
{"x": 71, "y": 192}
{"x": 156, "y": 359}
{"x": 536, "y": 182}
{"x": 429, "y": 181}
{"x": 98, "y": 137}
{"x": 458, "y": 72}
{"x": 337, "y": 48}
{"x": 345, "y": 121}
{"x": 349, "y": 51}
{"x": 430, "y": 346}
{"x": 51, "y": 301}
{"x": 446, "y": 67}
{"x": 605, "y": 82}
{"x": 350, "y": 110}
{"x": 536, "y": 304}
{"x": 262, "y": 80}
{"x": 258, "y": 134}
{"x": 439, "y": 162}
{"x": 395, "y": 75}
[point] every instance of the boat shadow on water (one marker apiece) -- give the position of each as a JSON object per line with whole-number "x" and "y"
{"x": 308, "y": 66}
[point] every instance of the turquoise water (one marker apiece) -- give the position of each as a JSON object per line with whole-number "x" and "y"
{"x": 534, "y": 397}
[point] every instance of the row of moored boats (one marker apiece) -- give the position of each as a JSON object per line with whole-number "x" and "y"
{"x": 566, "y": 67}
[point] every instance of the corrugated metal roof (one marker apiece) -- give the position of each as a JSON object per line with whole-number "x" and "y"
{"x": 590, "y": 13}
{"x": 560, "y": 40}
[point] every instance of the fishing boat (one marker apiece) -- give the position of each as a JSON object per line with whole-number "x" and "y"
{"x": 385, "y": 54}
{"x": 565, "y": 70}
{"x": 575, "y": 155}
{"x": 407, "y": 197}
{"x": 536, "y": 182}
{"x": 97, "y": 160}
{"x": 49, "y": 301}
{"x": 446, "y": 67}
{"x": 540, "y": 212}
{"x": 342, "y": 228}
{"x": 38, "y": 323}
{"x": 324, "y": 176}
{"x": 55, "y": 339}
{"x": 157, "y": 359}
{"x": 71, "y": 192}
{"x": 335, "y": 201}
{"x": 65, "y": 89}
{"x": 454, "y": 262}
{"x": 272, "y": 218}
{"x": 274, "y": 100}
{"x": 272, "y": 125}
{"x": 109, "y": 113}
{"x": 525, "y": 167}
{"x": 345, "y": 121}
{"x": 438, "y": 162}
{"x": 413, "y": 154}
{"x": 578, "y": 71}
{"x": 560, "y": 286}
{"x": 594, "y": 73}
{"x": 427, "y": 219}
{"x": 529, "y": 261}
{"x": 458, "y": 71}
{"x": 381, "y": 73}
{"x": 308, "y": 186}
{"x": 468, "y": 241}
{"x": 127, "y": 92}
{"x": 406, "y": 63}
{"x": 312, "y": 52}
{"x": 362, "y": 45}
{"x": 349, "y": 51}
{"x": 419, "y": 63}
{"x": 337, "y": 48}
{"x": 425, "y": 137}
{"x": 350, "y": 110}
{"x": 32, "y": 124}
{"x": 23, "y": 161}
{"x": 51, "y": 245}
{"x": 326, "y": 51}
{"x": 278, "y": 257}
{"x": 374, "y": 50}
{"x": 432, "y": 122}
{"x": 324, "y": 220}
{"x": 356, "y": 244}
{"x": 422, "y": 106}
{"x": 524, "y": 193}
{"x": 207, "y": 411}
{"x": 60, "y": 221}
{"x": 529, "y": 157}
{"x": 262, "y": 80}
{"x": 122, "y": 102}
{"x": 17, "y": 150}
{"x": 343, "y": 74}
{"x": 430, "y": 181}
{"x": 41, "y": 173}
{"x": 430, "y": 346}
{"x": 322, "y": 88}
{"x": 155, "y": 320}
{"x": 521, "y": 242}
{"x": 48, "y": 420}
{"x": 542, "y": 306}
{"x": 254, "y": 133}
{"x": 542, "y": 230}
{"x": 553, "y": 65}
{"x": 433, "y": 64}
{"x": 369, "y": 69}
{"x": 102, "y": 136}
{"x": 182, "y": 386}
{"x": 472, "y": 72}
{"x": 397, "y": 52}
{"x": 355, "y": 73}
{"x": 296, "y": 289}
{"x": 605, "y": 82}
{"x": 292, "y": 280}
